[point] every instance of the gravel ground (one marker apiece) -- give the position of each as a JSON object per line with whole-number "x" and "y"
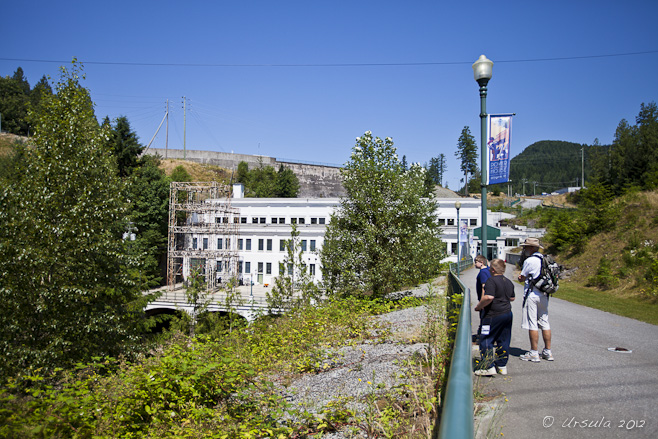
{"x": 356, "y": 371}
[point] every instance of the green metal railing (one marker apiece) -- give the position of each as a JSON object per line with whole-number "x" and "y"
{"x": 457, "y": 405}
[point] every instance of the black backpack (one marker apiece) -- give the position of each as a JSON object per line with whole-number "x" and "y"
{"x": 547, "y": 282}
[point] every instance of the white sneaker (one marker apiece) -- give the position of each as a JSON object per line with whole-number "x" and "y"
{"x": 529, "y": 357}
{"x": 486, "y": 372}
{"x": 547, "y": 355}
{"x": 502, "y": 370}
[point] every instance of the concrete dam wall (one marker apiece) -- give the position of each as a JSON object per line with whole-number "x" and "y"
{"x": 315, "y": 181}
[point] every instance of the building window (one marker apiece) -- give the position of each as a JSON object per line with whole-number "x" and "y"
{"x": 282, "y": 245}
{"x": 442, "y": 222}
{"x": 282, "y": 220}
{"x": 289, "y": 269}
{"x": 511, "y": 242}
{"x": 301, "y": 221}
{"x": 269, "y": 245}
{"x": 473, "y": 222}
{"x": 236, "y": 220}
{"x": 240, "y": 244}
{"x": 321, "y": 220}
{"x": 453, "y": 248}
{"x": 205, "y": 243}
{"x": 311, "y": 269}
{"x": 260, "y": 268}
{"x": 314, "y": 220}
{"x": 275, "y": 220}
{"x": 293, "y": 220}
{"x": 262, "y": 220}
{"x": 194, "y": 240}
{"x": 219, "y": 266}
{"x": 451, "y": 221}
{"x": 228, "y": 243}
{"x": 268, "y": 268}
{"x": 312, "y": 245}
{"x": 243, "y": 220}
{"x": 247, "y": 245}
{"x": 240, "y": 263}
{"x": 303, "y": 245}
{"x": 261, "y": 245}
{"x": 219, "y": 243}
{"x": 247, "y": 267}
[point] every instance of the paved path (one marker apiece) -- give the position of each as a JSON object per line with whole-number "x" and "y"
{"x": 588, "y": 391}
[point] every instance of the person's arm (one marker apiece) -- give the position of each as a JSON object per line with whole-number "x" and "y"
{"x": 486, "y": 300}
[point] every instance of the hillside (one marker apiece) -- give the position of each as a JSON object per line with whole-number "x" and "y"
{"x": 625, "y": 257}
{"x": 198, "y": 171}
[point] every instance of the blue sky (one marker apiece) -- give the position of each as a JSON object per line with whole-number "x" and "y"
{"x": 302, "y": 79}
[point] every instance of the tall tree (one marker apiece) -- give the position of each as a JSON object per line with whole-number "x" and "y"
{"x": 467, "y": 155}
{"x": 14, "y": 106}
{"x": 384, "y": 233}
{"x": 63, "y": 274}
{"x": 126, "y": 146}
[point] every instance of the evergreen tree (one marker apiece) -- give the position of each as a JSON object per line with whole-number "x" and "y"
{"x": 63, "y": 274}
{"x": 126, "y": 146}
{"x": 14, "y": 106}
{"x": 467, "y": 155}
{"x": 384, "y": 233}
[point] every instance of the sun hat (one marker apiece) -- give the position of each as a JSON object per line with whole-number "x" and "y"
{"x": 531, "y": 242}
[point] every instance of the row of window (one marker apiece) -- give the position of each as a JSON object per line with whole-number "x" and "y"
{"x": 245, "y": 244}
{"x": 452, "y": 221}
{"x": 262, "y": 268}
{"x": 273, "y": 220}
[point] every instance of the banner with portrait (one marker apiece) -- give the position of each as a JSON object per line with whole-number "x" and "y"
{"x": 499, "y": 133}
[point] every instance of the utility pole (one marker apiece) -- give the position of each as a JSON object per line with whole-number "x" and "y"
{"x": 184, "y": 128}
{"x": 167, "y": 135}
{"x": 582, "y": 182}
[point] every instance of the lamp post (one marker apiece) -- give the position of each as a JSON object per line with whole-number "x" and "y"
{"x": 458, "y": 205}
{"x": 482, "y": 71}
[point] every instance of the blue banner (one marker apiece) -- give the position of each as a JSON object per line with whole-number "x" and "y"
{"x": 499, "y": 133}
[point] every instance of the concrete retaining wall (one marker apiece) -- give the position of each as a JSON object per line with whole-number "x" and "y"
{"x": 315, "y": 181}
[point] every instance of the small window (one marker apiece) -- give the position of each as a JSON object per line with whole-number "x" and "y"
{"x": 303, "y": 245}
{"x": 311, "y": 269}
{"x": 301, "y": 221}
{"x": 228, "y": 243}
{"x": 293, "y": 220}
{"x": 262, "y": 220}
{"x": 254, "y": 220}
{"x": 321, "y": 220}
{"x": 268, "y": 268}
{"x": 275, "y": 220}
{"x": 236, "y": 219}
{"x": 269, "y": 245}
{"x": 240, "y": 264}
{"x": 261, "y": 244}
{"x": 240, "y": 241}
{"x": 247, "y": 267}
{"x": 289, "y": 269}
{"x": 442, "y": 221}
{"x": 282, "y": 220}
{"x": 219, "y": 243}
{"x": 194, "y": 243}
{"x": 282, "y": 245}
{"x": 473, "y": 222}
{"x": 219, "y": 266}
{"x": 243, "y": 220}
{"x": 451, "y": 221}
{"x": 314, "y": 220}
{"x": 205, "y": 243}
{"x": 260, "y": 268}
{"x": 453, "y": 248}
{"x": 312, "y": 245}
{"x": 247, "y": 244}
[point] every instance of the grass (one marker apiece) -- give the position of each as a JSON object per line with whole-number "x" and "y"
{"x": 624, "y": 306}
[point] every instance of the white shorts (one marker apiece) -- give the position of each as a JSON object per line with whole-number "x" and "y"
{"x": 535, "y": 312}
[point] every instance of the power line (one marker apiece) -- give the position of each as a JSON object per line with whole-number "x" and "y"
{"x": 386, "y": 64}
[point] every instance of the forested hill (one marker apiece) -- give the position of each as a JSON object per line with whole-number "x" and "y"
{"x": 552, "y": 164}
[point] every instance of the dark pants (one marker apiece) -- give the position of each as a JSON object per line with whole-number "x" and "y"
{"x": 494, "y": 347}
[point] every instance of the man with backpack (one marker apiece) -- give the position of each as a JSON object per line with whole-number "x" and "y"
{"x": 535, "y": 301}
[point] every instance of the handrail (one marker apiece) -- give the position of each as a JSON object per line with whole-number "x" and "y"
{"x": 457, "y": 406}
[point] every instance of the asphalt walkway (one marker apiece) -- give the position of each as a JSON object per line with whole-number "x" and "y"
{"x": 588, "y": 391}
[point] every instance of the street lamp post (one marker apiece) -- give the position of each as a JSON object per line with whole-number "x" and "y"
{"x": 458, "y": 205}
{"x": 482, "y": 71}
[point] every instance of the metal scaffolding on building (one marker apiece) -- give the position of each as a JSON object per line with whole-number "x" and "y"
{"x": 203, "y": 233}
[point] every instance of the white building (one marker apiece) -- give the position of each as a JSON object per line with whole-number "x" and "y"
{"x": 264, "y": 227}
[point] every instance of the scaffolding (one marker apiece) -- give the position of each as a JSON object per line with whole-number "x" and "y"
{"x": 203, "y": 234}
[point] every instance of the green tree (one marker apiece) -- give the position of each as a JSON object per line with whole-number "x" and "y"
{"x": 125, "y": 143}
{"x": 287, "y": 183}
{"x": 467, "y": 154}
{"x": 14, "y": 103}
{"x": 63, "y": 269}
{"x": 384, "y": 234}
{"x": 180, "y": 174}
{"x": 243, "y": 173}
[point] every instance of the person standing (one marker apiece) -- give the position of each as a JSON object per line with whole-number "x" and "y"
{"x": 483, "y": 276}
{"x": 496, "y": 307}
{"x": 535, "y": 303}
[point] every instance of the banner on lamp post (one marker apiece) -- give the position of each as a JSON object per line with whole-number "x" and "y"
{"x": 499, "y": 133}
